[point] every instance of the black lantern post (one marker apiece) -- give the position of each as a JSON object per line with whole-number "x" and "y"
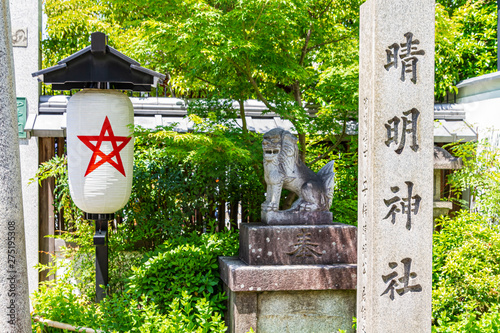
{"x": 99, "y": 140}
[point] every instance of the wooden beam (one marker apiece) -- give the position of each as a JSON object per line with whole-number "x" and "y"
{"x": 46, "y": 150}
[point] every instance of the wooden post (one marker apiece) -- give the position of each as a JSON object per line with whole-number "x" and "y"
{"x": 61, "y": 144}
{"x": 46, "y": 148}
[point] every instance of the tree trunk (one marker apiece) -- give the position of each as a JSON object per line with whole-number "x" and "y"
{"x": 297, "y": 95}
{"x": 244, "y": 212}
{"x": 242, "y": 116}
{"x": 198, "y": 219}
{"x": 221, "y": 218}
{"x": 302, "y": 144}
{"x": 233, "y": 213}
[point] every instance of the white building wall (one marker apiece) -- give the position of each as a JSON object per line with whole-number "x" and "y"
{"x": 480, "y": 98}
{"x": 27, "y": 15}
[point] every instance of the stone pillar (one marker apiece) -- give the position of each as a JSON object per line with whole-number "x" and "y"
{"x": 395, "y": 166}
{"x": 14, "y": 302}
{"x": 26, "y": 18}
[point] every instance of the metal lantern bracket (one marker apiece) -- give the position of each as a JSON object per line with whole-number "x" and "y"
{"x": 99, "y": 66}
{"x": 101, "y": 251}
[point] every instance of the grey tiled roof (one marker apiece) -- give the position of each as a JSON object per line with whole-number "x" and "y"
{"x": 149, "y": 112}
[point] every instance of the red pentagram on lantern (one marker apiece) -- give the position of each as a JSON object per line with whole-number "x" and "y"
{"x": 96, "y": 149}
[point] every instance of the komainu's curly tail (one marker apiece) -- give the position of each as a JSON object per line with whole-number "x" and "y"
{"x": 328, "y": 176}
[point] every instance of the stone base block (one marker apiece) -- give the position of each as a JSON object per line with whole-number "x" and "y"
{"x": 262, "y": 244}
{"x": 288, "y": 217}
{"x": 298, "y": 299}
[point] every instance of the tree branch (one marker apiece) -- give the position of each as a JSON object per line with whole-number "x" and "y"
{"x": 258, "y": 17}
{"x": 242, "y": 116}
{"x": 334, "y": 146}
{"x": 304, "y": 49}
{"x": 253, "y": 83}
{"x": 325, "y": 9}
{"x": 206, "y": 81}
{"x": 326, "y": 43}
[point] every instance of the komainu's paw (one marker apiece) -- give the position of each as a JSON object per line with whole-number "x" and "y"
{"x": 308, "y": 207}
{"x": 270, "y": 206}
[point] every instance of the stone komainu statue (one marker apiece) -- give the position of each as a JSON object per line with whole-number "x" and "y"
{"x": 283, "y": 169}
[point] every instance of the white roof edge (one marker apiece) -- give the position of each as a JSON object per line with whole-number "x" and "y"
{"x": 479, "y": 79}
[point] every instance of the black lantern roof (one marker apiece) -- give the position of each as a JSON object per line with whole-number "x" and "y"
{"x": 99, "y": 66}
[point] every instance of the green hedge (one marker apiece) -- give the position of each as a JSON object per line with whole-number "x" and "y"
{"x": 176, "y": 289}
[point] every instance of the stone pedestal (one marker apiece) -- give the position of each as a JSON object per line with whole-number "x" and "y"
{"x": 291, "y": 278}
{"x": 288, "y": 298}
{"x": 262, "y": 244}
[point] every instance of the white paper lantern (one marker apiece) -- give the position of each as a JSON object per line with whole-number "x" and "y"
{"x": 100, "y": 150}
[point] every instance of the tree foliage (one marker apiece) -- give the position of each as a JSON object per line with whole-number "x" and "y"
{"x": 283, "y": 53}
{"x": 298, "y": 57}
{"x": 480, "y": 175}
{"x": 466, "y": 42}
{"x": 466, "y": 260}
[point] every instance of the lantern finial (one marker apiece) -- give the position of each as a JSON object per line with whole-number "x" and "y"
{"x": 98, "y": 43}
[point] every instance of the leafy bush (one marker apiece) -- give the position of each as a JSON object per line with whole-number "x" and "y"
{"x": 122, "y": 313}
{"x": 466, "y": 263}
{"x": 176, "y": 289}
{"x": 178, "y": 176}
{"x": 61, "y": 300}
{"x": 187, "y": 264}
{"x": 180, "y": 179}
{"x": 126, "y": 314}
{"x": 466, "y": 270}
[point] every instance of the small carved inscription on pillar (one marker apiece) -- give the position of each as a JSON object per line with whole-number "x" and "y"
{"x": 20, "y": 37}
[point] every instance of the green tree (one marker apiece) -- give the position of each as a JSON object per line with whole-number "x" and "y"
{"x": 298, "y": 57}
{"x": 291, "y": 55}
{"x": 466, "y": 42}
{"x": 466, "y": 274}
{"x": 480, "y": 175}
{"x": 69, "y": 25}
